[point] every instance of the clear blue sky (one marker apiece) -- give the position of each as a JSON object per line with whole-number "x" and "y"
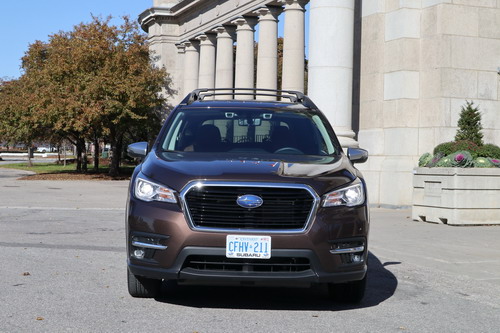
{"x": 24, "y": 21}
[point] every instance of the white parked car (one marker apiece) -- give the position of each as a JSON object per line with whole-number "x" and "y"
{"x": 43, "y": 149}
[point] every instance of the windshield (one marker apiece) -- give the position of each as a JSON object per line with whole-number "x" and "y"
{"x": 248, "y": 130}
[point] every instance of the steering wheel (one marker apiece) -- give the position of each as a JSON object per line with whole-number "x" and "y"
{"x": 288, "y": 150}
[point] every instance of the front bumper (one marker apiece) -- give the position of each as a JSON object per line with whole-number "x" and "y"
{"x": 188, "y": 274}
{"x": 166, "y": 226}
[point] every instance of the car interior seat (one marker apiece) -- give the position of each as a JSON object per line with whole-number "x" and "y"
{"x": 208, "y": 139}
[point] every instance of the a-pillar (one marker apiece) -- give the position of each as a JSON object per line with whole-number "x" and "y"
{"x": 206, "y": 78}
{"x": 331, "y": 42}
{"x": 294, "y": 45}
{"x": 267, "y": 57}
{"x": 224, "y": 70}
{"x": 191, "y": 65}
{"x": 181, "y": 52}
{"x": 244, "y": 76}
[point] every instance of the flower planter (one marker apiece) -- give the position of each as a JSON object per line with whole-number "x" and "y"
{"x": 457, "y": 196}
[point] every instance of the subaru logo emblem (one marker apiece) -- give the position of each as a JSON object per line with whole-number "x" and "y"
{"x": 249, "y": 201}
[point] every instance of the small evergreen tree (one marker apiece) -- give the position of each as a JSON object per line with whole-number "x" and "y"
{"x": 469, "y": 124}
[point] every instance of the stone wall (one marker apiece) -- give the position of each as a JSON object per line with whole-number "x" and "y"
{"x": 421, "y": 59}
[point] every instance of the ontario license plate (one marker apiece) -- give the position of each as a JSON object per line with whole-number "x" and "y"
{"x": 252, "y": 247}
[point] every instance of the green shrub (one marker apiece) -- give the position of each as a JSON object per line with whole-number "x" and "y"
{"x": 469, "y": 124}
{"x": 482, "y": 162}
{"x": 468, "y": 149}
{"x": 449, "y": 148}
{"x": 444, "y": 148}
{"x": 462, "y": 159}
{"x": 489, "y": 150}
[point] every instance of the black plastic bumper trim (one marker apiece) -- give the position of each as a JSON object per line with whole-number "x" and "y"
{"x": 314, "y": 275}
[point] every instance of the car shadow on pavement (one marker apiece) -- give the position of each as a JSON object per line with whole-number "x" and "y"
{"x": 381, "y": 285}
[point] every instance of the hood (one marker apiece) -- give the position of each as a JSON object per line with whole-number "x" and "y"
{"x": 176, "y": 169}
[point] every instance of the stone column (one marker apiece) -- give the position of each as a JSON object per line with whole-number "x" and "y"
{"x": 224, "y": 70}
{"x": 181, "y": 52}
{"x": 163, "y": 34}
{"x": 244, "y": 76}
{"x": 267, "y": 58}
{"x": 331, "y": 42}
{"x": 191, "y": 66}
{"x": 206, "y": 76}
{"x": 294, "y": 45}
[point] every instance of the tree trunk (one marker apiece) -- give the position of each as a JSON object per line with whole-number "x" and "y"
{"x": 81, "y": 155}
{"x": 59, "y": 153}
{"x": 96, "y": 154}
{"x": 116, "y": 150}
{"x": 78, "y": 157}
{"x": 64, "y": 153}
{"x": 85, "y": 161}
{"x": 76, "y": 153}
{"x": 30, "y": 156}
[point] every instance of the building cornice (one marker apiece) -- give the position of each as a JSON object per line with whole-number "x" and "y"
{"x": 173, "y": 13}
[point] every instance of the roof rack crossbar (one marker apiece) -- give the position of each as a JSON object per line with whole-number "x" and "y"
{"x": 294, "y": 96}
{"x": 290, "y": 97}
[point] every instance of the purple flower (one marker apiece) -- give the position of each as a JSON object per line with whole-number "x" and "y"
{"x": 495, "y": 161}
{"x": 459, "y": 157}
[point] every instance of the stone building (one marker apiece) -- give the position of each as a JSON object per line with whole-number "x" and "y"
{"x": 391, "y": 75}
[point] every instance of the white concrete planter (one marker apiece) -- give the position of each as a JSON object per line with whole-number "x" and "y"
{"x": 456, "y": 196}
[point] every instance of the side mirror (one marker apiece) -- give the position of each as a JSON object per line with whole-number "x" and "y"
{"x": 357, "y": 155}
{"x": 137, "y": 150}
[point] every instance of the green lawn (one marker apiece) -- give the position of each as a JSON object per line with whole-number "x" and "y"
{"x": 69, "y": 168}
{"x": 41, "y": 167}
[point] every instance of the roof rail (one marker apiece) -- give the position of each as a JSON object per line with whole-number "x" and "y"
{"x": 292, "y": 95}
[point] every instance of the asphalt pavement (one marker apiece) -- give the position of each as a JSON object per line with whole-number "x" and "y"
{"x": 63, "y": 269}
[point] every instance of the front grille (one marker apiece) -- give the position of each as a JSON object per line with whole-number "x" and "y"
{"x": 216, "y": 207}
{"x": 221, "y": 263}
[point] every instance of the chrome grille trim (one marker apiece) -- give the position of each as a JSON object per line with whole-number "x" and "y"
{"x": 191, "y": 185}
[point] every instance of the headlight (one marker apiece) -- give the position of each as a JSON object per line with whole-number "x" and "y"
{"x": 149, "y": 191}
{"x": 350, "y": 196}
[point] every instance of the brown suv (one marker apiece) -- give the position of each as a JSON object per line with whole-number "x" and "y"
{"x": 247, "y": 192}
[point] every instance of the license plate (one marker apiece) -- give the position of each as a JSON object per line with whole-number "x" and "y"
{"x": 251, "y": 247}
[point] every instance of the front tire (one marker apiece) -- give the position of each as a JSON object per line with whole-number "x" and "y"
{"x": 350, "y": 292}
{"x": 142, "y": 287}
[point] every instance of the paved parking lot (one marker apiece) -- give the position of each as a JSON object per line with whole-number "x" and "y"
{"x": 63, "y": 268}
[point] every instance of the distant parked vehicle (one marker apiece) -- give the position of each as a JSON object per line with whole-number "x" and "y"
{"x": 43, "y": 149}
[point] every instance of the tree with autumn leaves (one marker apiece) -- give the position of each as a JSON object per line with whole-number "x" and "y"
{"x": 96, "y": 82}
{"x": 18, "y": 122}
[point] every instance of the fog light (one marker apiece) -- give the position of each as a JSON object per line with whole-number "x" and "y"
{"x": 139, "y": 253}
{"x": 144, "y": 246}
{"x": 351, "y": 251}
{"x": 357, "y": 258}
